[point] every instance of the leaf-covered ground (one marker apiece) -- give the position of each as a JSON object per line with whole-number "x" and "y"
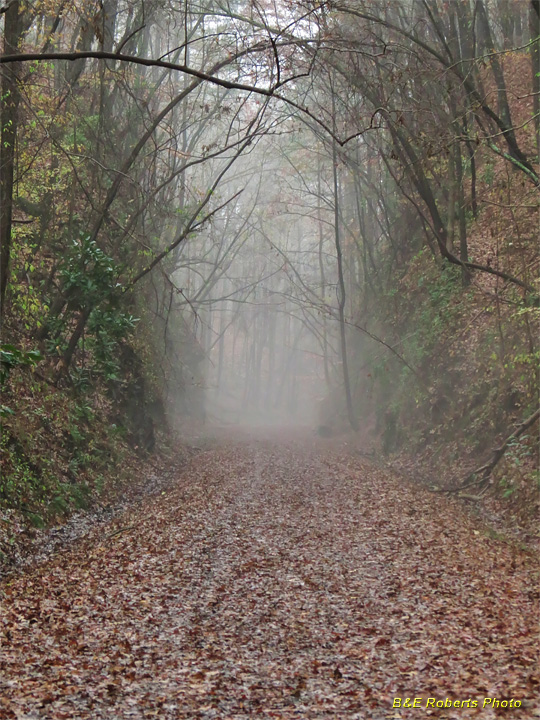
{"x": 275, "y": 580}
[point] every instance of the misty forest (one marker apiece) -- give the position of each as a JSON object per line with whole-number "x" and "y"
{"x": 270, "y": 359}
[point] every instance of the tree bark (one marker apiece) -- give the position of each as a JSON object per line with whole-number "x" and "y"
{"x": 342, "y": 296}
{"x": 460, "y": 208}
{"x": 8, "y": 123}
{"x": 534, "y": 25}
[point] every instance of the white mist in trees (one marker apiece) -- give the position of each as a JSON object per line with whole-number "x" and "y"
{"x": 258, "y": 313}
{"x": 268, "y": 181}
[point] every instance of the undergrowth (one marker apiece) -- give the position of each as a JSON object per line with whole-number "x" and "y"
{"x": 58, "y": 450}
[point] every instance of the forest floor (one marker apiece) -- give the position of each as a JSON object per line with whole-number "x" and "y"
{"x": 276, "y": 578}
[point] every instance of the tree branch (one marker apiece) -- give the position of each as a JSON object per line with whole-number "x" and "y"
{"x": 481, "y": 475}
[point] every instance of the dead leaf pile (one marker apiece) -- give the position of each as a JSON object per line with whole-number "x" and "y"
{"x": 275, "y": 580}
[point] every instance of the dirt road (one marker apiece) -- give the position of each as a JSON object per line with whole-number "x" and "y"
{"x": 276, "y": 580}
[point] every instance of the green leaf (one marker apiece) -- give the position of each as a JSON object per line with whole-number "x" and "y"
{"x": 5, "y": 411}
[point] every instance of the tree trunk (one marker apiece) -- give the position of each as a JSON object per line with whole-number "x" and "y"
{"x": 534, "y": 25}
{"x": 75, "y": 337}
{"x": 8, "y": 123}
{"x": 462, "y": 220}
{"x": 342, "y": 296}
{"x": 322, "y": 278}
{"x": 451, "y": 208}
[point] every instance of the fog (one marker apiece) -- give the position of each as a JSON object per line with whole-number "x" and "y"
{"x": 265, "y": 319}
{"x": 271, "y": 213}
{"x": 263, "y": 293}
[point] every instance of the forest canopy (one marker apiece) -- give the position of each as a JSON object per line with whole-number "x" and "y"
{"x": 323, "y": 213}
